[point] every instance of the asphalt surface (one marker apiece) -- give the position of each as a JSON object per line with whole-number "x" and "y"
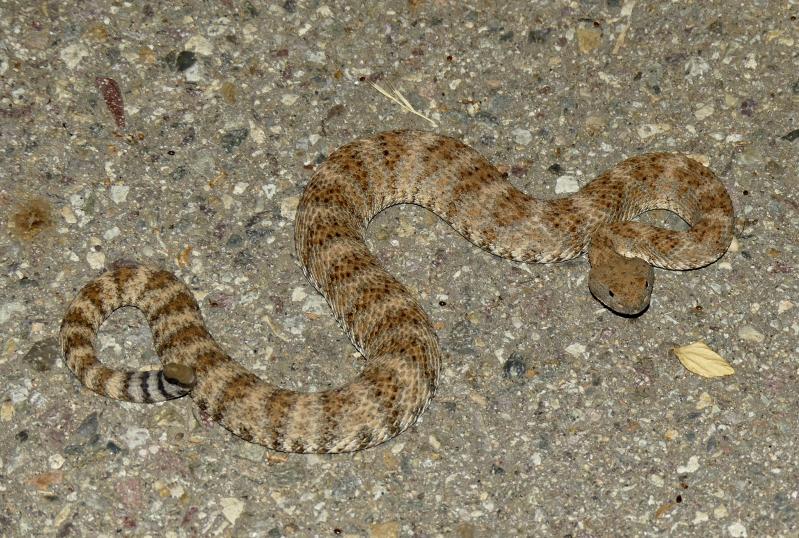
{"x": 181, "y": 134}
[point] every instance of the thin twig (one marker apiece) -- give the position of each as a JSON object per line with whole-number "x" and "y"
{"x": 399, "y": 99}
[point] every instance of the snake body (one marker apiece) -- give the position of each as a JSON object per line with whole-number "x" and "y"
{"x": 381, "y": 317}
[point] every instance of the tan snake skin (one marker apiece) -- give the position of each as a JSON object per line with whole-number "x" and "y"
{"x": 381, "y": 317}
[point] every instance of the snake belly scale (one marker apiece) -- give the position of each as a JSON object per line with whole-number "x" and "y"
{"x": 381, "y": 317}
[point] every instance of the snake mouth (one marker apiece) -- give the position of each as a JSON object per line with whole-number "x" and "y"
{"x": 628, "y": 313}
{"x": 611, "y": 301}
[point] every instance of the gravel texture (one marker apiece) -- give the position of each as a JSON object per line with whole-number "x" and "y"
{"x": 182, "y": 134}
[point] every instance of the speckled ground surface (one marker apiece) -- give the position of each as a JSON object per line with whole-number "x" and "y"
{"x": 554, "y": 417}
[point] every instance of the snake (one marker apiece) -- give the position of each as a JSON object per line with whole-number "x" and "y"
{"x": 381, "y": 317}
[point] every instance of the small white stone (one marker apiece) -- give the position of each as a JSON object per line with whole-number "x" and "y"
{"x": 691, "y": 467}
{"x": 703, "y": 112}
{"x": 289, "y": 99}
{"x": 575, "y": 350}
{"x": 269, "y": 190}
{"x": 56, "y": 461}
{"x": 696, "y": 66}
{"x": 231, "y": 508}
{"x": 705, "y": 400}
{"x": 256, "y": 133}
{"x": 315, "y": 303}
{"x": 69, "y": 215}
{"x": 700, "y": 517}
{"x": 750, "y": 334}
{"x": 7, "y": 412}
{"x": 737, "y": 530}
{"x": 96, "y": 259}
{"x": 77, "y": 201}
{"x": 119, "y": 193}
{"x": 136, "y": 437}
{"x": 566, "y": 184}
{"x": 111, "y": 233}
{"x": 317, "y": 57}
{"x": 522, "y": 136}
{"x": 298, "y": 294}
{"x": 7, "y": 309}
{"x": 73, "y": 54}
{"x": 200, "y": 45}
{"x": 288, "y": 207}
{"x": 193, "y": 73}
{"x": 657, "y": 480}
{"x": 648, "y": 130}
{"x": 784, "y": 306}
{"x": 240, "y": 187}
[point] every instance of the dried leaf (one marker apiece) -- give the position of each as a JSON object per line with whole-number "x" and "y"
{"x": 701, "y": 360}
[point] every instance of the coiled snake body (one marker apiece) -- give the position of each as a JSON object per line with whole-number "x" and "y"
{"x": 381, "y": 317}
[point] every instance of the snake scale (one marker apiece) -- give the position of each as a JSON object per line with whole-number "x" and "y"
{"x": 381, "y": 317}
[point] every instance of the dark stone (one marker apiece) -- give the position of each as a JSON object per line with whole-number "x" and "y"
{"x": 233, "y": 138}
{"x": 66, "y": 529}
{"x": 178, "y": 173}
{"x": 748, "y": 107}
{"x": 234, "y": 241}
{"x": 251, "y": 9}
{"x": 539, "y": 35}
{"x": 514, "y": 367}
{"x": 791, "y": 136}
{"x": 43, "y": 355}
{"x": 185, "y": 59}
{"x": 89, "y": 427}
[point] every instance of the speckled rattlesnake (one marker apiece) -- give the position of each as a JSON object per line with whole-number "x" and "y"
{"x": 381, "y": 317}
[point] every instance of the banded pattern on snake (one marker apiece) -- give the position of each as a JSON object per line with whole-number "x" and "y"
{"x": 381, "y": 317}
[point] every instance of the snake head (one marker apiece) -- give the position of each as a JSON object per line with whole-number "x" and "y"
{"x": 622, "y": 284}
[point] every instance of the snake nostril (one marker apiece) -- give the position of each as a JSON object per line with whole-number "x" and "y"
{"x": 610, "y": 292}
